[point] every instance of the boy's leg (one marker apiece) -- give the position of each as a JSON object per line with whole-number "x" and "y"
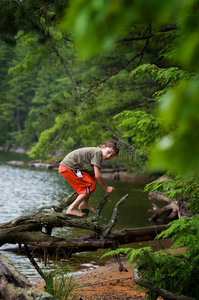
{"x": 82, "y": 201}
{"x": 84, "y": 186}
{"x": 72, "y": 208}
{"x": 84, "y": 204}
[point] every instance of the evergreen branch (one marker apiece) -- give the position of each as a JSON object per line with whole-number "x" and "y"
{"x": 66, "y": 69}
{"x": 67, "y": 39}
{"x": 148, "y": 36}
{"x": 139, "y": 54}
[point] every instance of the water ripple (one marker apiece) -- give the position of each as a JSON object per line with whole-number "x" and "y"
{"x": 23, "y": 190}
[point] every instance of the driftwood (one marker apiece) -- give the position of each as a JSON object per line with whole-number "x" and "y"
{"x": 14, "y": 285}
{"x": 171, "y": 210}
{"x": 156, "y": 289}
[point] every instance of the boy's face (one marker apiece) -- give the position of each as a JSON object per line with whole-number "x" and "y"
{"x": 107, "y": 152}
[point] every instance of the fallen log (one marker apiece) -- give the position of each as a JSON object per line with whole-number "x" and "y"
{"x": 35, "y": 229}
{"x": 93, "y": 242}
{"x": 156, "y": 289}
{"x": 14, "y": 285}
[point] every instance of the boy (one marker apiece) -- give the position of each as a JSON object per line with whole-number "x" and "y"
{"x": 74, "y": 169}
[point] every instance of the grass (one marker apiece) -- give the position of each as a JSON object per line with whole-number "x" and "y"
{"x": 60, "y": 283}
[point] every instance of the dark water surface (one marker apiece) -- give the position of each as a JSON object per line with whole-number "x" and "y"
{"x": 23, "y": 190}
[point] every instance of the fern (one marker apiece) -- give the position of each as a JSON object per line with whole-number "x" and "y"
{"x": 165, "y": 77}
{"x": 141, "y": 127}
{"x": 177, "y": 187}
{"x": 177, "y": 273}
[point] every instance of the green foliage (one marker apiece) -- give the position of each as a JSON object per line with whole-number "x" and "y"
{"x": 180, "y": 107}
{"x": 146, "y": 129}
{"x": 177, "y": 187}
{"x": 185, "y": 233}
{"x": 88, "y": 134}
{"x": 103, "y": 22}
{"x": 165, "y": 77}
{"x": 60, "y": 283}
{"x": 49, "y": 142}
{"x": 176, "y": 273}
{"x": 58, "y": 83}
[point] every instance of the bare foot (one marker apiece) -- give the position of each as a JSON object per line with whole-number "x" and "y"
{"x": 74, "y": 212}
{"x": 83, "y": 206}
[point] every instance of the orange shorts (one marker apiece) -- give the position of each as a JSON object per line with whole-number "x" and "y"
{"x": 82, "y": 185}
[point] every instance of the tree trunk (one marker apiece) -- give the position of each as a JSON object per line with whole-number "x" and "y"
{"x": 15, "y": 286}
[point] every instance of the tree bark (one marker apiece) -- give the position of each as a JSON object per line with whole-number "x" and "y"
{"x": 15, "y": 286}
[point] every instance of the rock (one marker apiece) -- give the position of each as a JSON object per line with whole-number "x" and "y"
{"x": 38, "y": 164}
{"x": 127, "y": 177}
{"x": 33, "y": 162}
{"x": 15, "y": 162}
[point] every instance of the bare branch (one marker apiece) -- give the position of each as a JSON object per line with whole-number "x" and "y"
{"x": 66, "y": 69}
{"x": 113, "y": 220}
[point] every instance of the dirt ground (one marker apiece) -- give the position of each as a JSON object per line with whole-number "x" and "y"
{"x": 107, "y": 283}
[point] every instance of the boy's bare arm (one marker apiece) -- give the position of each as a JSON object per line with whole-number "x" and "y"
{"x": 99, "y": 178}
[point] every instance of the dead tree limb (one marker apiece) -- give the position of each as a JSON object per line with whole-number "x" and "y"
{"x": 36, "y": 228}
{"x": 99, "y": 208}
{"x": 113, "y": 220}
{"x": 171, "y": 211}
{"x": 156, "y": 289}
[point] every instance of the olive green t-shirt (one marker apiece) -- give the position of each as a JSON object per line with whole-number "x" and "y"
{"x": 83, "y": 159}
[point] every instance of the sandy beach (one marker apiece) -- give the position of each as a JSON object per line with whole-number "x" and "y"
{"x": 106, "y": 283}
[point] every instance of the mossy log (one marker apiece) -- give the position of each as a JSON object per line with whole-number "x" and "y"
{"x": 35, "y": 229}
{"x": 14, "y": 285}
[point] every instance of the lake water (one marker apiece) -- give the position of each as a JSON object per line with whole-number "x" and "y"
{"x": 23, "y": 190}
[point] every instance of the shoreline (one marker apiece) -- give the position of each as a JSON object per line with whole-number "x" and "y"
{"x": 117, "y": 173}
{"x": 105, "y": 282}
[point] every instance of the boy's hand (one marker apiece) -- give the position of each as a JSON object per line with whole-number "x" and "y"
{"x": 110, "y": 189}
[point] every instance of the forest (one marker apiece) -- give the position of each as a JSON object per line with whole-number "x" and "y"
{"x": 75, "y": 73}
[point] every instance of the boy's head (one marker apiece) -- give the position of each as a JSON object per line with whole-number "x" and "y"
{"x": 109, "y": 149}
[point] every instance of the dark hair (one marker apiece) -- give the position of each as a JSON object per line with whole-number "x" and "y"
{"x": 112, "y": 144}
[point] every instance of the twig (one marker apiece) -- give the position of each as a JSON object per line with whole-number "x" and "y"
{"x": 33, "y": 262}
